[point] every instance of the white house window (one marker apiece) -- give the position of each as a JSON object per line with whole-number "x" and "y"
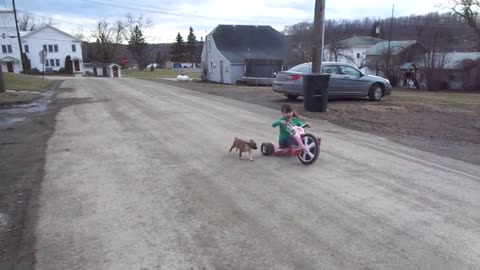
{"x": 46, "y": 62}
{"x": 50, "y": 48}
{"x": 55, "y": 47}
{"x": 45, "y": 48}
{"x": 57, "y": 62}
{"x": 52, "y": 62}
{"x": 74, "y": 48}
{"x": 358, "y": 55}
{"x": 7, "y": 48}
{"x": 27, "y": 50}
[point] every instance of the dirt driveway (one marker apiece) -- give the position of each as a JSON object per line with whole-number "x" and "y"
{"x": 442, "y": 123}
{"x": 140, "y": 178}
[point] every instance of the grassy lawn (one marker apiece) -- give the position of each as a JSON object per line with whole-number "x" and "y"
{"x": 21, "y": 82}
{"x": 158, "y": 73}
{"x": 9, "y": 98}
{"x": 25, "y": 88}
{"x": 456, "y": 100}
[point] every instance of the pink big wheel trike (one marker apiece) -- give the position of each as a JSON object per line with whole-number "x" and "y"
{"x": 306, "y": 146}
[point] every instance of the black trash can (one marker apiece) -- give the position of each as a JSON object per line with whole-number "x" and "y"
{"x": 315, "y": 92}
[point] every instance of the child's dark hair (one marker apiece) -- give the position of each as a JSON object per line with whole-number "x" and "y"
{"x": 287, "y": 108}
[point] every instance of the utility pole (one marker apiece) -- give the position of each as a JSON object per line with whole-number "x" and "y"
{"x": 390, "y": 38}
{"x": 2, "y": 82}
{"x": 317, "y": 37}
{"x": 18, "y": 37}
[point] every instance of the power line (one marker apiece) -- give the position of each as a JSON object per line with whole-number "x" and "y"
{"x": 134, "y": 8}
{"x": 53, "y": 19}
{"x": 147, "y": 6}
{"x": 156, "y": 10}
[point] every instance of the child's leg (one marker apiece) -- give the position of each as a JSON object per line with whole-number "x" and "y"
{"x": 299, "y": 141}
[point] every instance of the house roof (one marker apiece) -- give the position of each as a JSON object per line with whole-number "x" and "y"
{"x": 455, "y": 60}
{"x": 240, "y": 42}
{"x": 396, "y": 47}
{"x": 30, "y": 33}
{"x": 356, "y": 41}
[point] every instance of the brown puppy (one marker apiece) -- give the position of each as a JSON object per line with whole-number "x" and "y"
{"x": 244, "y": 146}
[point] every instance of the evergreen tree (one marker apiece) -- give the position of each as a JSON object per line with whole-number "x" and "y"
{"x": 192, "y": 46}
{"x": 138, "y": 47}
{"x": 68, "y": 65}
{"x": 178, "y": 49}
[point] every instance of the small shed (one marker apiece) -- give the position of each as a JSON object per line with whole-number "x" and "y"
{"x": 458, "y": 70}
{"x": 114, "y": 70}
{"x": 97, "y": 69}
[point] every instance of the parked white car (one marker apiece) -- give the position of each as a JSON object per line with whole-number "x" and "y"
{"x": 155, "y": 65}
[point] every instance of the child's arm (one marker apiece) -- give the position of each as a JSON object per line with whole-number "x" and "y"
{"x": 300, "y": 123}
{"x": 277, "y": 123}
{"x": 297, "y": 122}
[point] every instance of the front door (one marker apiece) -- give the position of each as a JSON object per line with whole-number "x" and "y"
{"x": 76, "y": 63}
{"x": 10, "y": 67}
{"x": 115, "y": 71}
{"x": 352, "y": 81}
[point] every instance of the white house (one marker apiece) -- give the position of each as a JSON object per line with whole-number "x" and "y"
{"x": 57, "y": 45}
{"x": 351, "y": 50}
{"x": 9, "y": 52}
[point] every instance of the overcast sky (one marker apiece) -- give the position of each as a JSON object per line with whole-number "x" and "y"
{"x": 170, "y": 17}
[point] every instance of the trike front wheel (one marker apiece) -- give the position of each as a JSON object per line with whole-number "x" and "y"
{"x": 310, "y": 155}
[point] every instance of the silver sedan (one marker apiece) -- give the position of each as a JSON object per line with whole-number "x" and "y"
{"x": 345, "y": 81}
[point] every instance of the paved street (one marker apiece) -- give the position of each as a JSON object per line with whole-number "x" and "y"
{"x": 139, "y": 177}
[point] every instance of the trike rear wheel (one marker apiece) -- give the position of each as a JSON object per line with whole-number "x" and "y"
{"x": 267, "y": 149}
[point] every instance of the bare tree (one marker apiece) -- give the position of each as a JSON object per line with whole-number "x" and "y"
{"x": 79, "y": 33}
{"x": 433, "y": 64}
{"x": 468, "y": 10}
{"x": 338, "y": 49}
{"x": 299, "y": 36}
{"x": 108, "y": 37}
{"x": 27, "y": 23}
{"x": 132, "y": 22}
{"x": 387, "y": 63}
{"x": 135, "y": 29}
{"x": 299, "y": 32}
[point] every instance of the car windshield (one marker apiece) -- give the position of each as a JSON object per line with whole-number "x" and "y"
{"x": 303, "y": 68}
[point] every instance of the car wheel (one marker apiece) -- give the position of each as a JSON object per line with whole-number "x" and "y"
{"x": 376, "y": 92}
{"x": 292, "y": 97}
